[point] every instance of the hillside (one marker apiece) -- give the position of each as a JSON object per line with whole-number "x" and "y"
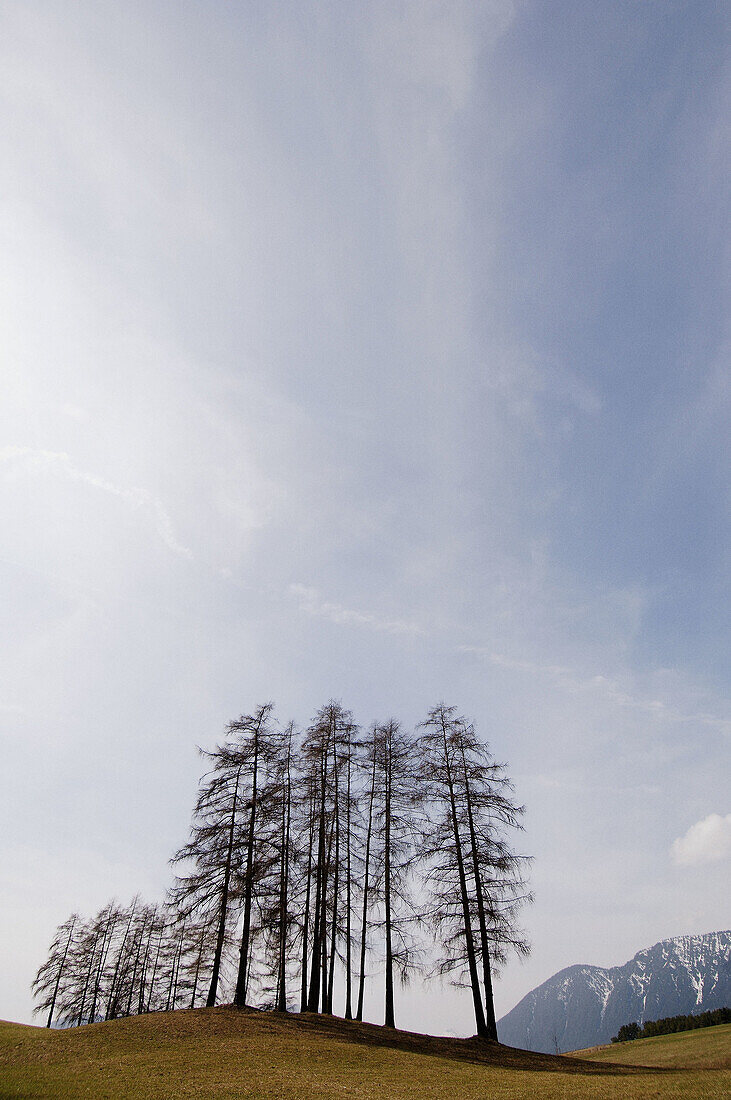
{"x": 583, "y": 1006}
{"x": 225, "y": 1054}
{"x": 708, "y": 1047}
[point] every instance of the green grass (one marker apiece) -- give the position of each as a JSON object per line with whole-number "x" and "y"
{"x": 706, "y": 1047}
{"x": 223, "y": 1054}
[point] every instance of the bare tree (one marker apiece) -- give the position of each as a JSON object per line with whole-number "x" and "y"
{"x": 66, "y": 979}
{"x": 307, "y": 828}
{"x": 107, "y": 919}
{"x": 498, "y": 884}
{"x": 476, "y": 881}
{"x": 285, "y": 860}
{"x": 89, "y": 963}
{"x": 121, "y": 962}
{"x": 372, "y": 747}
{"x": 295, "y": 836}
{"x": 212, "y": 855}
{"x": 349, "y": 760}
{"x": 47, "y": 982}
{"x": 153, "y": 983}
{"x": 98, "y": 968}
{"x": 258, "y": 742}
{"x": 325, "y": 755}
{"x": 278, "y": 879}
{"x": 397, "y": 806}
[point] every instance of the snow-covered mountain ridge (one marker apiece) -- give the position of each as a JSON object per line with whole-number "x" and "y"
{"x": 582, "y": 1006}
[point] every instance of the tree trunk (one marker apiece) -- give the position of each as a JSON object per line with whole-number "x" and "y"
{"x": 469, "y": 942}
{"x": 143, "y": 975}
{"x": 213, "y": 989}
{"x": 106, "y": 940}
{"x": 336, "y": 884}
{"x": 348, "y": 976}
{"x": 85, "y": 990}
{"x": 136, "y": 967}
{"x": 60, "y": 972}
{"x": 364, "y": 920}
{"x": 241, "y": 981}
{"x": 490, "y": 1022}
{"x": 284, "y": 888}
{"x": 161, "y": 933}
{"x": 306, "y": 920}
{"x": 313, "y": 997}
{"x": 323, "y": 920}
{"x": 176, "y": 969}
{"x": 111, "y": 1003}
{"x": 389, "y": 1018}
{"x": 197, "y": 967}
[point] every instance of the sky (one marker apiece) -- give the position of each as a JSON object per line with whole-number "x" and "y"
{"x": 372, "y": 352}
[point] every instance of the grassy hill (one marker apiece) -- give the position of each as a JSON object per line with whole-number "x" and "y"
{"x": 224, "y": 1054}
{"x": 707, "y": 1047}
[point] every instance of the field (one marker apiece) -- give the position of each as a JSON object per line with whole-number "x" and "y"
{"x": 225, "y": 1054}
{"x": 707, "y": 1047}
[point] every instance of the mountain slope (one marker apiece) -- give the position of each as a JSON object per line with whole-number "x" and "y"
{"x": 586, "y": 1005}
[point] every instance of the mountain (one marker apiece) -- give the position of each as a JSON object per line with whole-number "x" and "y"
{"x": 584, "y": 1006}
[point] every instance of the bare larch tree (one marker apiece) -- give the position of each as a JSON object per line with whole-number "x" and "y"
{"x": 476, "y": 881}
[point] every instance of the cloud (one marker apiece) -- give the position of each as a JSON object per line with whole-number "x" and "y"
{"x": 708, "y": 841}
{"x": 605, "y": 687}
{"x": 37, "y": 459}
{"x": 311, "y": 602}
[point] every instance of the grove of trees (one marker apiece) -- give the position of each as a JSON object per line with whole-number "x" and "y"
{"x": 315, "y": 860}
{"x": 670, "y": 1025}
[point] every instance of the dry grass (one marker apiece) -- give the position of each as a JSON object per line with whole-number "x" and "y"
{"x": 223, "y": 1054}
{"x": 704, "y": 1048}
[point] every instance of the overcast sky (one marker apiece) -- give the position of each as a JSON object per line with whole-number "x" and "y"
{"x": 370, "y": 351}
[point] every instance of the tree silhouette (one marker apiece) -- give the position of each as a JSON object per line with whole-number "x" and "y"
{"x": 397, "y": 801}
{"x": 291, "y": 837}
{"x": 476, "y": 881}
{"x": 213, "y": 849}
{"x": 329, "y": 733}
{"x": 372, "y": 747}
{"x": 257, "y": 742}
{"x": 47, "y": 981}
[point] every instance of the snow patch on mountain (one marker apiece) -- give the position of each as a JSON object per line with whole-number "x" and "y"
{"x": 585, "y": 1005}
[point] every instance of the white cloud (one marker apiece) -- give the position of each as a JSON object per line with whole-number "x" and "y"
{"x": 610, "y": 689}
{"x": 35, "y": 459}
{"x": 311, "y": 602}
{"x": 707, "y": 841}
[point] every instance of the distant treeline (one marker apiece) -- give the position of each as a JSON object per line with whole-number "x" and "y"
{"x": 329, "y": 851}
{"x": 670, "y": 1024}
